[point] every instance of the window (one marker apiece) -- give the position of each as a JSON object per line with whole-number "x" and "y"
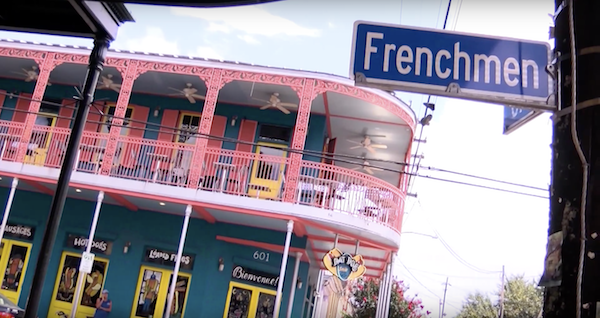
{"x": 109, "y": 113}
{"x": 275, "y": 133}
{"x": 188, "y": 127}
{"x": 51, "y": 106}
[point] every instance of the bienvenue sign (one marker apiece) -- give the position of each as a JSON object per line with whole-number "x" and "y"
{"x": 254, "y": 276}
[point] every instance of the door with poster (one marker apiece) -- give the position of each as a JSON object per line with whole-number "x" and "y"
{"x": 153, "y": 290}
{"x": 14, "y": 256}
{"x": 66, "y": 285}
{"x": 249, "y": 302}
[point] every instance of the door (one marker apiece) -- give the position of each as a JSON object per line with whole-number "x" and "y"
{"x": 153, "y": 290}
{"x": 37, "y": 149}
{"x": 66, "y": 284}
{"x": 121, "y": 155}
{"x": 14, "y": 256}
{"x": 267, "y": 175}
{"x": 182, "y": 158}
{"x": 245, "y": 301}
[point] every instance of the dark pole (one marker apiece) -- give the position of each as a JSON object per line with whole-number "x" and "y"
{"x": 568, "y": 190}
{"x": 95, "y": 67}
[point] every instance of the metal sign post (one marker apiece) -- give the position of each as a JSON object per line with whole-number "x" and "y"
{"x": 87, "y": 258}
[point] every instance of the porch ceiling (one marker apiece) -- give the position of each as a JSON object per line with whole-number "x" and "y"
{"x": 319, "y": 240}
{"x": 348, "y": 117}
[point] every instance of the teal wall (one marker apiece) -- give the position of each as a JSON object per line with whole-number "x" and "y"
{"x": 316, "y": 128}
{"x": 208, "y": 288}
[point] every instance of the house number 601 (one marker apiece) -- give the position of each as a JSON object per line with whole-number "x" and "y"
{"x": 261, "y": 256}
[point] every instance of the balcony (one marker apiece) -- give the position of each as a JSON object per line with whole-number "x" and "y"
{"x": 235, "y": 173}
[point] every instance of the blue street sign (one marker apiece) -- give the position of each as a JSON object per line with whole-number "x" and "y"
{"x": 438, "y": 62}
{"x": 517, "y": 117}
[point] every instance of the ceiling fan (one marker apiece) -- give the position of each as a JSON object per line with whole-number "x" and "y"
{"x": 367, "y": 144}
{"x": 108, "y": 83}
{"x": 31, "y": 75}
{"x": 188, "y": 92}
{"x": 366, "y": 166}
{"x": 275, "y": 102}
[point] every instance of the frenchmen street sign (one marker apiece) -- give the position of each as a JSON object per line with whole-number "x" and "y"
{"x": 437, "y": 62}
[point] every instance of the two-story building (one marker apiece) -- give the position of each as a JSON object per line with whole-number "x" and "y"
{"x": 264, "y": 162}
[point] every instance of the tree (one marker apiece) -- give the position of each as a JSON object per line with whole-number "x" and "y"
{"x": 364, "y": 300}
{"x": 522, "y": 299}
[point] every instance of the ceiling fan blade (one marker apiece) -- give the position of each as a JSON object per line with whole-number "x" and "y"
{"x": 368, "y": 170}
{"x": 356, "y": 147}
{"x": 28, "y": 79}
{"x": 288, "y": 104}
{"x": 282, "y": 109}
{"x": 177, "y": 90}
{"x": 115, "y": 88}
{"x": 175, "y": 94}
{"x": 371, "y": 150}
{"x": 376, "y": 169}
{"x": 196, "y": 96}
{"x": 261, "y": 100}
{"x": 354, "y": 142}
{"x": 378, "y": 146}
{"x": 265, "y": 107}
{"x": 356, "y": 168}
{"x": 191, "y": 91}
{"x": 376, "y": 136}
{"x": 191, "y": 99}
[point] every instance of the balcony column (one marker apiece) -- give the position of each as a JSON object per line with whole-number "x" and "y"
{"x": 129, "y": 75}
{"x": 45, "y": 68}
{"x": 214, "y": 83}
{"x": 307, "y": 94}
{"x": 9, "y": 202}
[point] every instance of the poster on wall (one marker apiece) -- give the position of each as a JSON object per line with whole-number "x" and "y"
{"x": 343, "y": 265}
{"x": 552, "y": 276}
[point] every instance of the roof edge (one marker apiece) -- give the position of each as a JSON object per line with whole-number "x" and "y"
{"x": 211, "y": 63}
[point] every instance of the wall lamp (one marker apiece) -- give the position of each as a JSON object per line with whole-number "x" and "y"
{"x": 126, "y": 247}
{"x": 299, "y": 283}
{"x": 221, "y": 265}
{"x": 156, "y": 111}
{"x": 233, "y": 120}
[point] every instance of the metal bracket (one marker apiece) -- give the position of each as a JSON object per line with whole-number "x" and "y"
{"x": 453, "y": 88}
{"x": 579, "y": 106}
{"x": 584, "y": 51}
{"x": 360, "y": 77}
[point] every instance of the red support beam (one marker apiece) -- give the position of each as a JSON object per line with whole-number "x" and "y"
{"x": 205, "y": 215}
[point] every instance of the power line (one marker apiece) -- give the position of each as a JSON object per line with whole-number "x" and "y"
{"x": 453, "y": 253}
{"x": 417, "y": 280}
{"x": 321, "y": 155}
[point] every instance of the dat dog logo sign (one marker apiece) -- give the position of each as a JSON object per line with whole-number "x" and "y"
{"x": 343, "y": 265}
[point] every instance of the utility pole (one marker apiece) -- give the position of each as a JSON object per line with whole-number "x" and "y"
{"x": 501, "y": 313}
{"x": 442, "y": 314}
{"x": 577, "y": 292}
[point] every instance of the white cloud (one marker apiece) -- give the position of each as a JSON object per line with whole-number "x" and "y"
{"x": 331, "y": 25}
{"x": 248, "y": 19}
{"x": 248, "y": 39}
{"x": 208, "y": 52}
{"x": 153, "y": 42}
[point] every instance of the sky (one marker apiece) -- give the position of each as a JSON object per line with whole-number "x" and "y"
{"x": 484, "y": 228}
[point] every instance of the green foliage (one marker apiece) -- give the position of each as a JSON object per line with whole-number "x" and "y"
{"x": 364, "y": 302}
{"x": 522, "y": 299}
